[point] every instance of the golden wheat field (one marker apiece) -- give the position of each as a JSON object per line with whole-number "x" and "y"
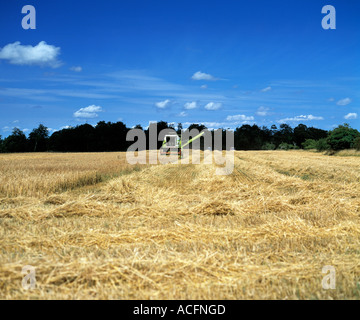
{"x": 95, "y": 227}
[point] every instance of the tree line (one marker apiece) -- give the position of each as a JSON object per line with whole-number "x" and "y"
{"x": 108, "y": 136}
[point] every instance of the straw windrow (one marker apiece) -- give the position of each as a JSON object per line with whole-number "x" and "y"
{"x": 95, "y": 227}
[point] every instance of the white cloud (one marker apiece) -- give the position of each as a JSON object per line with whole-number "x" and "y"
{"x": 262, "y": 111}
{"x": 213, "y": 106}
{"x": 216, "y": 125}
{"x": 309, "y": 117}
{"x": 8, "y": 129}
{"x": 350, "y": 116}
{"x": 203, "y": 76}
{"x": 344, "y": 102}
{"x": 88, "y": 112}
{"x": 41, "y": 54}
{"x": 266, "y": 89}
{"x": 76, "y": 69}
{"x": 190, "y": 105}
{"x": 209, "y": 125}
{"x": 163, "y": 104}
{"x": 182, "y": 114}
{"x": 204, "y": 86}
{"x": 239, "y": 117}
{"x": 331, "y": 99}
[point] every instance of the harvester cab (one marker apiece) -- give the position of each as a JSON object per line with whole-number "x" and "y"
{"x": 172, "y": 144}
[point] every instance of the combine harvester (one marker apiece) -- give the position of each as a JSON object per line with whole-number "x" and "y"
{"x": 172, "y": 145}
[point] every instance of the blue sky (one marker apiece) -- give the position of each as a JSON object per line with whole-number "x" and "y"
{"x": 221, "y": 63}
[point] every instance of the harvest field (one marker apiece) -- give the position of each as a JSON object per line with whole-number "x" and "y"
{"x": 95, "y": 227}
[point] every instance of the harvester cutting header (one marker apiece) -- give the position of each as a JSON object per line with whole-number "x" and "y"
{"x": 172, "y": 144}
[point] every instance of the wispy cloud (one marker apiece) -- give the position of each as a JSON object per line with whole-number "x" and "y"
{"x": 208, "y": 124}
{"x": 182, "y": 114}
{"x": 203, "y": 76}
{"x": 266, "y": 89}
{"x": 41, "y": 55}
{"x": 262, "y": 111}
{"x": 88, "y": 112}
{"x": 300, "y": 84}
{"x": 309, "y": 117}
{"x": 344, "y": 102}
{"x": 351, "y": 116}
{"x": 76, "y": 68}
{"x": 190, "y": 105}
{"x": 240, "y": 117}
{"x": 134, "y": 80}
{"x": 213, "y": 106}
{"x": 163, "y": 104}
{"x": 49, "y": 94}
{"x": 6, "y": 129}
{"x": 216, "y": 124}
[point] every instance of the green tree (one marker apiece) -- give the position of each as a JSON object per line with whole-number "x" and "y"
{"x": 179, "y": 128}
{"x": 197, "y": 126}
{"x": 300, "y": 134}
{"x": 342, "y": 137}
{"x": 38, "y": 138}
{"x": 322, "y": 145}
{"x": 1, "y": 145}
{"x": 200, "y": 128}
{"x": 284, "y": 134}
{"x": 249, "y": 137}
{"x": 309, "y": 144}
{"x": 357, "y": 143}
{"x": 268, "y": 146}
{"x": 286, "y": 146}
{"x": 16, "y": 142}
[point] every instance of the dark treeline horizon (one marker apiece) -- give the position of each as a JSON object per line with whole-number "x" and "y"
{"x": 111, "y": 136}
